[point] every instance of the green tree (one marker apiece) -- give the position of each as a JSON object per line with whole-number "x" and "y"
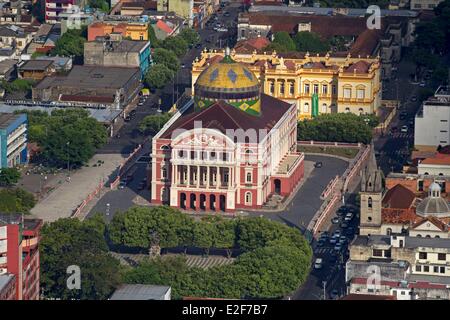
{"x": 336, "y": 127}
{"x": 153, "y": 123}
{"x": 158, "y": 76}
{"x": 176, "y": 44}
{"x": 282, "y": 42}
{"x": 166, "y": 58}
{"x": 102, "y": 5}
{"x": 190, "y": 36}
{"x": 70, "y": 44}
{"x": 9, "y": 176}
{"x": 310, "y": 41}
{"x": 68, "y": 242}
{"x": 67, "y": 137}
{"x": 16, "y": 201}
{"x": 154, "y": 41}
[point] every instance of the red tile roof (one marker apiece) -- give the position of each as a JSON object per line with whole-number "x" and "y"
{"x": 222, "y": 116}
{"x": 248, "y": 46}
{"x": 399, "y": 197}
{"x": 164, "y": 27}
{"x": 403, "y": 216}
{"x": 358, "y": 67}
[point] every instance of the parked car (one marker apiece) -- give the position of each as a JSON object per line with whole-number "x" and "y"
{"x": 344, "y": 225}
{"x": 122, "y": 184}
{"x": 403, "y": 115}
{"x": 318, "y": 164}
{"x": 348, "y": 216}
{"x": 338, "y": 247}
{"x": 127, "y": 118}
{"x": 132, "y": 113}
{"x": 318, "y": 263}
{"x": 321, "y": 242}
{"x": 198, "y": 46}
{"x": 413, "y": 98}
{"x": 335, "y": 220}
{"x": 222, "y": 30}
{"x": 404, "y": 129}
{"x": 333, "y": 240}
{"x": 226, "y": 14}
{"x": 422, "y": 84}
{"x": 337, "y": 233}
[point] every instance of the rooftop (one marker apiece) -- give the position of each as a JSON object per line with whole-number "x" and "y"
{"x": 35, "y": 64}
{"x": 399, "y": 197}
{"x": 91, "y": 77}
{"x": 101, "y": 115}
{"x": 140, "y": 292}
{"x": 123, "y": 45}
{"x": 6, "y": 119}
{"x": 410, "y": 242}
{"x": 222, "y": 116}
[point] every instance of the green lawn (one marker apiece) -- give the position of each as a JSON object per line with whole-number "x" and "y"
{"x": 337, "y": 151}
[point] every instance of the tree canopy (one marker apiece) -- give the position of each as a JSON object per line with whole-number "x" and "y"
{"x": 16, "y": 201}
{"x": 9, "y": 176}
{"x": 274, "y": 259}
{"x": 282, "y": 42}
{"x": 177, "y": 45}
{"x": 339, "y": 127}
{"x": 158, "y": 76}
{"x": 151, "y": 124}
{"x": 68, "y": 242}
{"x": 166, "y": 58}
{"x": 311, "y": 42}
{"x": 66, "y": 136}
{"x": 70, "y": 44}
{"x": 190, "y": 36}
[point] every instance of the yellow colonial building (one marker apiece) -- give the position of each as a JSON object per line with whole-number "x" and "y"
{"x": 316, "y": 84}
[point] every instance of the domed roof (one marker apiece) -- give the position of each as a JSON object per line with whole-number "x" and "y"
{"x": 434, "y": 204}
{"x": 230, "y": 81}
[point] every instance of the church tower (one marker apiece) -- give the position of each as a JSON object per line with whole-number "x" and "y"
{"x": 371, "y": 195}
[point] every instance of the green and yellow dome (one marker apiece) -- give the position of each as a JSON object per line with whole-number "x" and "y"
{"x": 231, "y": 82}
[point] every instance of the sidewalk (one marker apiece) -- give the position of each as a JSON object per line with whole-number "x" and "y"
{"x": 65, "y": 199}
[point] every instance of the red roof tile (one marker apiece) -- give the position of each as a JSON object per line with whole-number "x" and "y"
{"x": 164, "y": 27}
{"x": 222, "y": 116}
{"x": 399, "y": 197}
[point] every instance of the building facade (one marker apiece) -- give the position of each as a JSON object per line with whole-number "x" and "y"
{"x": 13, "y": 140}
{"x": 53, "y": 9}
{"x": 409, "y": 268}
{"x": 315, "y": 84}
{"x": 424, "y": 4}
{"x": 19, "y": 256}
{"x": 230, "y": 147}
{"x": 432, "y": 121}
{"x": 116, "y": 52}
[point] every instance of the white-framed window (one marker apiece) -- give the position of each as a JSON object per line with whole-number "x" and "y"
{"x": 306, "y": 88}
{"x": 316, "y": 88}
{"x": 291, "y": 88}
{"x": 163, "y": 173}
{"x": 306, "y": 107}
{"x": 248, "y": 177}
{"x": 282, "y": 87}
{"x": 248, "y": 198}
{"x": 347, "y": 92}
{"x": 324, "y": 108}
{"x": 271, "y": 87}
{"x": 360, "y": 93}
{"x": 324, "y": 89}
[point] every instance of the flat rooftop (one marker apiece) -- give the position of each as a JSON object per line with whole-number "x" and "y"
{"x": 287, "y": 163}
{"x": 410, "y": 242}
{"x": 101, "y": 115}
{"x": 140, "y": 292}
{"x": 6, "y": 119}
{"x": 91, "y": 77}
{"x": 35, "y": 65}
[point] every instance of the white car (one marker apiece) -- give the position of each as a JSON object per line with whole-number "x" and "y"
{"x": 404, "y": 129}
{"x": 222, "y": 30}
{"x": 348, "y": 216}
{"x": 318, "y": 263}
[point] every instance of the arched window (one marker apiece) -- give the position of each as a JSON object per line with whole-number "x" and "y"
{"x": 369, "y": 219}
{"x": 306, "y": 107}
{"x": 324, "y": 108}
{"x": 163, "y": 173}
{"x": 419, "y": 236}
{"x": 248, "y": 198}
{"x": 165, "y": 147}
{"x": 369, "y": 202}
{"x": 248, "y": 177}
{"x": 427, "y": 236}
{"x": 361, "y": 111}
{"x": 436, "y": 236}
{"x": 347, "y": 109}
{"x": 388, "y": 231}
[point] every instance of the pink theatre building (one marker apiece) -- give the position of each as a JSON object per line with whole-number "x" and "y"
{"x": 229, "y": 148}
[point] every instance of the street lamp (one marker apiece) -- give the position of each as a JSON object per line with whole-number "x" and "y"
{"x": 68, "y": 157}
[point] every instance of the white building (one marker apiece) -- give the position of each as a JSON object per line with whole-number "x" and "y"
{"x": 424, "y": 4}
{"x": 432, "y": 123}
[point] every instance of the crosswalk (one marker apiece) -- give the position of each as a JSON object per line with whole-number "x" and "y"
{"x": 402, "y": 135}
{"x": 324, "y": 250}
